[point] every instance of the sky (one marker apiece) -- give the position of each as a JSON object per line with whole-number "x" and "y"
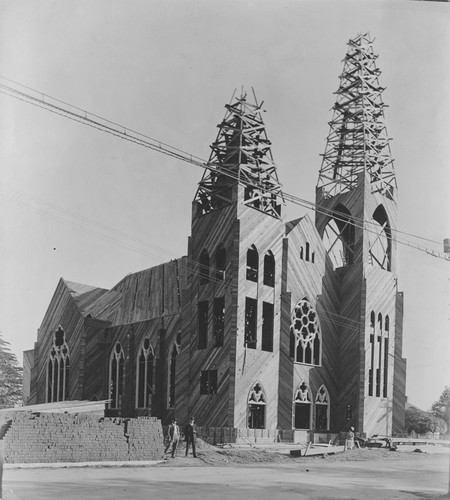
{"x": 89, "y": 207}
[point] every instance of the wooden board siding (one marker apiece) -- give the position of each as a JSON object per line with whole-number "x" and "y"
{"x": 28, "y": 362}
{"x": 364, "y": 288}
{"x": 308, "y": 279}
{"x": 64, "y": 311}
{"x": 254, "y": 365}
{"x": 208, "y": 232}
{"x": 131, "y": 337}
{"x": 399, "y": 390}
{"x": 150, "y": 293}
{"x": 95, "y": 360}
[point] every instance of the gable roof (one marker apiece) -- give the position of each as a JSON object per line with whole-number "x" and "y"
{"x": 84, "y": 295}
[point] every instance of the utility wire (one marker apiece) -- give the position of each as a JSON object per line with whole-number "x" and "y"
{"x": 128, "y": 134}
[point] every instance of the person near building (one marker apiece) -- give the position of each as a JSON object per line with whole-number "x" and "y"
{"x": 190, "y": 435}
{"x": 174, "y": 437}
{"x": 350, "y": 439}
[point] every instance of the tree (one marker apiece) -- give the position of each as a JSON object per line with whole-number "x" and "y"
{"x": 10, "y": 377}
{"x": 441, "y": 407}
{"x": 421, "y": 422}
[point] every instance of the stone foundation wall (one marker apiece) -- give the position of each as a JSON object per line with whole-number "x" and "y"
{"x": 61, "y": 437}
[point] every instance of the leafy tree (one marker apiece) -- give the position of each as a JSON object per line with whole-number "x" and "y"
{"x": 10, "y": 377}
{"x": 441, "y": 407}
{"x": 421, "y": 422}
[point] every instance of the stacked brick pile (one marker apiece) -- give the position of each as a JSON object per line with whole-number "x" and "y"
{"x": 145, "y": 436}
{"x": 61, "y": 437}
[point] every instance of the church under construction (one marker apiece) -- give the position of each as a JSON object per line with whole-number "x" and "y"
{"x": 291, "y": 327}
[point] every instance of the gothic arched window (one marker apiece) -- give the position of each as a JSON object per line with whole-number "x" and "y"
{"x": 386, "y": 356}
{"x": 116, "y": 367}
{"x": 339, "y": 237}
{"x": 144, "y": 375}
{"x": 221, "y": 262}
{"x": 379, "y": 354}
{"x": 58, "y": 368}
{"x": 372, "y": 352}
{"x": 302, "y": 407}
{"x": 269, "y": 269}
{"x": 203, "y": 267}
{"x": 252, "y": 264}
{"x": 322, "y": 409}
{"x": 305, "y": 334}
{"x": 380, "y": 240}
{"x": 256, "y": 407}
{"x": 172, "y": 373}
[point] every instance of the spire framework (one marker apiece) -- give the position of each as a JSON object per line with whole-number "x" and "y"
{"x": 358, "y": 140}
{"x": 241, "y": 154}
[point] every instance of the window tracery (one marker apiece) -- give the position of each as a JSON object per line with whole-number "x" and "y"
{"x": 116, "y": 372}
{"x": 144, "y": 374}
{"x": 305, "y": 334}
{"x": 58, "y": 368}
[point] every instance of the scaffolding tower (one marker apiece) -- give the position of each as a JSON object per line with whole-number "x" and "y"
{"x": 358, "y": 140}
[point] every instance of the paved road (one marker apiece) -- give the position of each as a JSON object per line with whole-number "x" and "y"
{"x": 404, "y": 478}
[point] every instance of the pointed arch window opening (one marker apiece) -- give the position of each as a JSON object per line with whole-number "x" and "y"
{"x": 305, "y": 334}
{"x": 256, "y": 407}
{"x": 116, "y": 376}
{"x": 172, "y": 375}
{"x": 203, "y": 267}
{"x": 380, "y": 240}
{"x": 339, "y": 238}
{"x": 221, "y": 262}
{"x": 252, "y": 264}
{"x": 372, "y": 353}
{"x": 250, "y": 329}
{"x": 386, "y": 356}
{"x": 302, "y": 407}
{"x": 322, "y": 421}
{"x": 269, "y": 269}
{"x": 219, "y": 321}
{"x": 379, "y": 354}
{"x": 58, "y": 368}
{"x": 144, "y": 375}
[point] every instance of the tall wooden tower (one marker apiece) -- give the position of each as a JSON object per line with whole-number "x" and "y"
{"x": 357, "y": 217}
{"x": 230, "y": 364}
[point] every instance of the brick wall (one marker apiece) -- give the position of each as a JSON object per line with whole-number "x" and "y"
{"x": 61, "y": 437}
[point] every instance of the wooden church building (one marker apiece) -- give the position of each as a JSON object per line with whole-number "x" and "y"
{"x": 266, "y": 323}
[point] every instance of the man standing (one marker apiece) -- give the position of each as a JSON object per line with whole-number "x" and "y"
{"x": 350, "y": 439}
{"x": 174, "y": 437}
{"x": 190, "y": 434}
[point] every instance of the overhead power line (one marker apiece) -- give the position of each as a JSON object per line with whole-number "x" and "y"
{"x": 57, "y": 106}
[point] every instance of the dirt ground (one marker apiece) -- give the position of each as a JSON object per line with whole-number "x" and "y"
{"x": 233, "y": 473}
{"x": 230, "y": 455}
